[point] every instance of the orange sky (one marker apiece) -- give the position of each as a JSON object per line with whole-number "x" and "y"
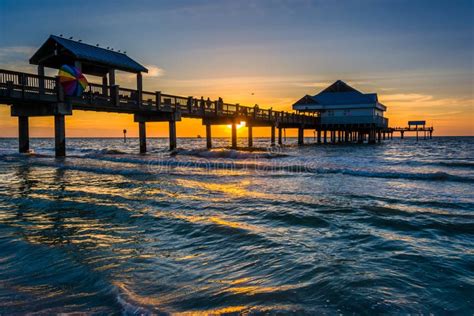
{"x": 458, "y": 120}
{"x": 449, "y": 116}
{"x": 417, "y": 55}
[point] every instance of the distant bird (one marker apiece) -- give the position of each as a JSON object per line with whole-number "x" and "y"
{"x": 108, "y": 47}
{"x": 124, "y": 52}
{"x": 111, "y": 49}
{"x": 70, "y": 38}
{"x": 80, "y": 41}
{"x": 119, "y": 50}
{"x": 60, "y": 35}
{"x": 253, "y": 93}
{"x": 97, "y": 45}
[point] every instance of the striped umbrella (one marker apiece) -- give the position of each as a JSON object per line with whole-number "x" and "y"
{"x": 72, "y": 80}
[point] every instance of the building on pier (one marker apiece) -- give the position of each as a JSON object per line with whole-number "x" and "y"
{"x": 91, "y": 60}
{"x": 347, "y": 111}
{"x": 343, "y": 105}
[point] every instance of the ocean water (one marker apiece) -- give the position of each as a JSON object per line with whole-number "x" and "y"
{"x": 328, "y": 229}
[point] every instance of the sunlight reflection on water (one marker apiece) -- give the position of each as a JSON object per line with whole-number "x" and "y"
{"x": 386, "y": 228}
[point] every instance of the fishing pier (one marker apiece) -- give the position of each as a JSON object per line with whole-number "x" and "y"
{"x": 415, "y": 127}
{"x": 32, "y": 95}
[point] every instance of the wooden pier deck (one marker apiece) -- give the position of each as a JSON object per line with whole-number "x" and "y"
{"x": 31, "y": 95}
{"x": 426, "y": 131}
{"x": 35, "y": 95}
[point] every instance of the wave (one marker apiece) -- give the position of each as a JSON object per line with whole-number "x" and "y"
{"x": 456, "y": 164}
{"x": 232, "y": 154}
{"x": 169, "y": 164}
{"x": 164, "y": 166}
{"x": 451, "y": 164}
{"x": 428, "y": 176}
{"x": 100, "y": 152}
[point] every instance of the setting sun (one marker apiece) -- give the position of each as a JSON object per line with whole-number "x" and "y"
{"x": 241, "y": 124}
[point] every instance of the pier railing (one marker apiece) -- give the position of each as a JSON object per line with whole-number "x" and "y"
{"x": 99, "y": 96}
{"x": 26, "y": 82}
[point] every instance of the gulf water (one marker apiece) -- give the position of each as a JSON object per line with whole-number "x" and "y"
{"x": 328, "y": 229}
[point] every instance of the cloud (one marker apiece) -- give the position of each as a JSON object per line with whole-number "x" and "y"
{"x": 415, "y": 101}
{"x": 13, "y": 55}
{"x": 406, "y": 97}
{"x": 16, "y": 50}
{"x": 154, "y": 71}
{"x": 312, "y": 84}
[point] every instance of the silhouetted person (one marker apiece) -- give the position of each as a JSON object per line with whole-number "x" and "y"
{"x": 220, "y": 103}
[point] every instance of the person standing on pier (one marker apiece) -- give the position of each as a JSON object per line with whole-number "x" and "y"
{"x": 220, "y": 104}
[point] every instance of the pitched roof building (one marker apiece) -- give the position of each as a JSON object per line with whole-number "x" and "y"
{"x": 341, "y": 104}
{"x": 57, "y": 51}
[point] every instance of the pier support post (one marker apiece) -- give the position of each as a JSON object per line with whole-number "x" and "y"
{"x": 23, "y": 134}
{"x": 319, "y": 136}
{"x": 360, "y": 137}
{"x": 250, "y": 136}
{"x": 372, "y": 136}
{"x": 172, "y": 131}
{"x": 41, "y": 78}
{"x": 401, "y": 134}
{"x": 379, "y": 136}
{"x": 431, "y": 134}
{"x": 208, "y": 136}
{"x": 142, "y": 136}
{"x": 112, "y": 77}
{"x": 59, "y": 135}
{"x": 280, "y": 140}
{"x": 104, "y": 86}
{"x": 234, "y": 135}
{"x": 272, "y": 135}
{"x": 139, "y": 88}
{"x": 325, "y": 136}
{"x": 300, "y": 135}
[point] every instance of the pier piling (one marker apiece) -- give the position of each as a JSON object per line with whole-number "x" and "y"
{"x": 142, "y": 136}
{"x": 250, "y": 136}
{"x": 208, "y": 136}
{"x": 272, "y": 135}
{"x": 300, "y": 135}
{"x": 59, "y": 135}
{"x": 23, "y": 134}
{"x": 234, "y": 135}
{"x": 172, "y": 134}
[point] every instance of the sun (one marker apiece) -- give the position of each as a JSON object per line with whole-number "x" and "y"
{"x": 241, "y": 124}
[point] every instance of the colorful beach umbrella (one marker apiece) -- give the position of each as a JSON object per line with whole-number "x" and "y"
{"x": 72, "y": 80}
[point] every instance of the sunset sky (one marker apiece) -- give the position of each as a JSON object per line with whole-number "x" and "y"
{"x": 417, "y": 55}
